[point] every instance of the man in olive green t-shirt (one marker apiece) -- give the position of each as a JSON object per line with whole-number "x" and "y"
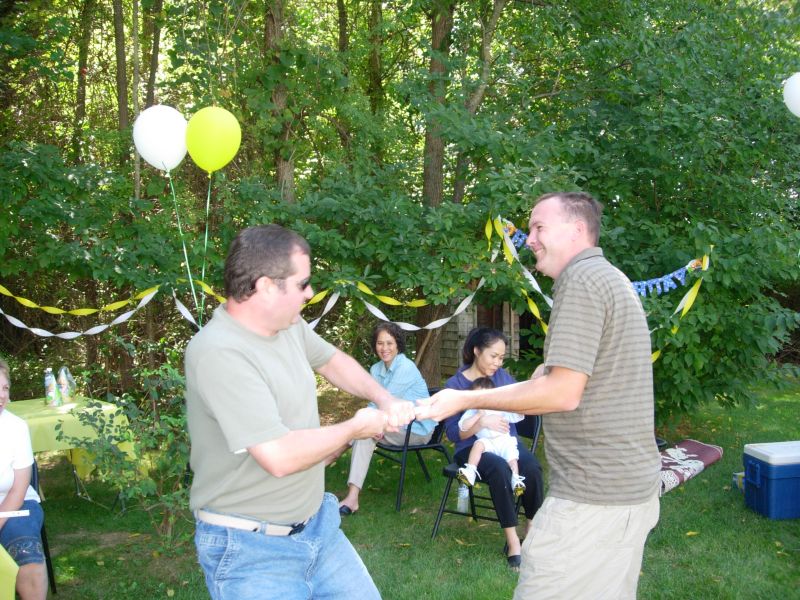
{"x": 265, "y": 526}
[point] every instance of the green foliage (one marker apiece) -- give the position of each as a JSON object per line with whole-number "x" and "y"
{"x": 669, "y": 112}
{"x": 146, "y": 456}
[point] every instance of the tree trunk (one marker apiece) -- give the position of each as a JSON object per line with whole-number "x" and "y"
{"x": 344, "y": 37}
{"x": 150, "y": 96}
{"x": 374, "y": 77}
{"x": 341, "y": 123}
{"x": 86, "y": 18}
{"x": 137, "y": 164}
{"x": 122, "y": 74}
{"x": 429, "y": 344}
{"x": 6, "y": 9}
{"x": 429, "y": 341}
{"x": 488, "y": 29}
{"x": 433, "y": 167}
{"x": 274, "y": 25}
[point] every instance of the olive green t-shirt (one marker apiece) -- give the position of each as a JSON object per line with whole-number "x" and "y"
{"x": 604, "y": 452}
{"x": 242, "y": 389}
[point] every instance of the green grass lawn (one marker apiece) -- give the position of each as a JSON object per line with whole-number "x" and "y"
{"x": 708, "y": 544}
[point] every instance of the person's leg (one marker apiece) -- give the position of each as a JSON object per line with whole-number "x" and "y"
{"x": 338, "y": 571}
{"x": 533, "y": 496}
{"x": 584, "y": 551}
{"x": 644, "y": 519}
{"x": 32, "y": 581}
{"x": 360, "y": 457}
{"x": 21, "y": 537}
{"x": 468, "y": 474}
{"x": 496, "y": 474}
{"x": 475, "y": 453}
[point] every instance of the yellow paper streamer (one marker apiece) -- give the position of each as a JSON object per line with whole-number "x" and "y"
{"x": 81, "y": 312}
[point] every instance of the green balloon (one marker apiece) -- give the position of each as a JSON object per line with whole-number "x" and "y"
{"x": 213, "y": 137}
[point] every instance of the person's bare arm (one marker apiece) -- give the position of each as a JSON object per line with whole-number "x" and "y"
{"x": 344, "y": 372}
{"x": 16, "y": 495}
{"x": 303, "y": 448}
{"x": 558, "y": 391}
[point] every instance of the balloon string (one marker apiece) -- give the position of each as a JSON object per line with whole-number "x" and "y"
{"x": 183, "y": 241}
{"x": 205, "y": 250}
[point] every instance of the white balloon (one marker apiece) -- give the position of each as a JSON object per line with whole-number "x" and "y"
{"x": 159, "y": 134}
{"x": 791, "y": 94}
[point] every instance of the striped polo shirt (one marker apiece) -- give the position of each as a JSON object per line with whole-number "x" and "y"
{"x": 604, "y": 452}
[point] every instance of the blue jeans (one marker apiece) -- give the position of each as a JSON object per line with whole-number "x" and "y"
{"x": 318, "y": 562}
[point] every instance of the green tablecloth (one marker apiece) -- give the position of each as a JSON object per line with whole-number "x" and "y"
{"x": 42, "y": 420}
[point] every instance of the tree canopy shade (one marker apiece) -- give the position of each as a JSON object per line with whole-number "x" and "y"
{"x": 388, "y": 132}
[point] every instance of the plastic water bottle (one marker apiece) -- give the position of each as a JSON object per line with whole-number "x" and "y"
{"x": 52, "y": 397}
{"x": 463, "y": 498}
{"x": 66, "y": 384}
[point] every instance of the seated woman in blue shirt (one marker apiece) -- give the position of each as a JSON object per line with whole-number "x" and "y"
{"x": 398, "y": 374}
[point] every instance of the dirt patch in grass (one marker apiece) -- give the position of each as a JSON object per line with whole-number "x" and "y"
{"x": 99, "y": 541}
{"x": 335, "y": 405}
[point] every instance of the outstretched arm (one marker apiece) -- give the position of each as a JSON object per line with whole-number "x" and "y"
{"x": 343, "y": 371}
{"x": 558, "y": 391}
{"x": 301, "y": 449}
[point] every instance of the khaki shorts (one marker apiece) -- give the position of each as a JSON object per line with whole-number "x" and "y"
{"x": 577, "y": 551}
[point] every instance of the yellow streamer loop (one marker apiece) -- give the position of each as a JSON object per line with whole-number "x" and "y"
{"x": 691, "y": 297}
{"x": 80, "y": 312}
{"x": 387, "y": 299}
{"x": 498, "y": 226}
{"x": 534, "y": 310}
{"x": 688, "y": 299}
{"x": 317, "y": 298}
{"x": 206, "y": 288}
{"x": 487, "y": 231}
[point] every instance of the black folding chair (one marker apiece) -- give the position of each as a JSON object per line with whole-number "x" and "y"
{"x": 51, "y": 576}
{"x": 482, "y": 507}
{"x": 390, "y": 451}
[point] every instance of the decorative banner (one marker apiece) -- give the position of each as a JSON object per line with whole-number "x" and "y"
{"x": 686, "y": 302}
{"x": 510, "y": 239}
{"x": 503, "y": 228}
{"x": 667, "y": 282}
{"x": 71, "y": 335}
{"x": 433, "y": 324}
{"x": 331, "y": 303}
{"x": 515, "y": 238}
{"x": 81, "y": 312}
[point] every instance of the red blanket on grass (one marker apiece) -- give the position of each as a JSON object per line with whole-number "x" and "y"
{"x": 685, "y": 460}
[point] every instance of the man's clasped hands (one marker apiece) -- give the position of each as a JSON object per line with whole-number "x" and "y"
{"x": 375, "y": 422}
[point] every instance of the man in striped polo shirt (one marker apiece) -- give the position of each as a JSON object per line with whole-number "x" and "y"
{"x": 595, "y": 389}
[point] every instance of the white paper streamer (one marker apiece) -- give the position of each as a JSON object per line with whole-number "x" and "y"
{"x": 71, "y": 335}
{"x": 528, "y": 275}
{"x": 328, "y": 306}
{"x": 184, "y": 311}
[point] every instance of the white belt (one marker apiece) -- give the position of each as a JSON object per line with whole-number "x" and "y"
{"x": 213, "y": 518}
